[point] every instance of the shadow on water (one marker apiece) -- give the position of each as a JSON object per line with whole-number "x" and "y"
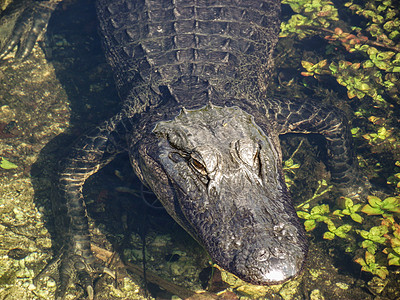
{"x": 73, "y": 46}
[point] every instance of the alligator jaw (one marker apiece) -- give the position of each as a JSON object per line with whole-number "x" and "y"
{"x": 220, "y": 176}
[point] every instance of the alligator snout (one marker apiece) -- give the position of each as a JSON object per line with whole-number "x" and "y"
{"x": 253, "y": 236}
{"x": 266, "y": 263}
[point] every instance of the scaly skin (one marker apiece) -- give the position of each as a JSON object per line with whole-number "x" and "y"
{"x": 31, "y": 18}
{"x": 202, "y": 133}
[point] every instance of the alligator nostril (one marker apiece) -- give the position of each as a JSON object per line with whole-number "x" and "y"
{"x": 262, "y": 255}
{"x": 212, "y": 190}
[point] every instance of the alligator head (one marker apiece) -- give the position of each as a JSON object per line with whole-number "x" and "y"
{"x": 220, "y": 176}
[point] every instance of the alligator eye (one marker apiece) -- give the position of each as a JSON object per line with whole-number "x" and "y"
{"x": 198, "y": 166}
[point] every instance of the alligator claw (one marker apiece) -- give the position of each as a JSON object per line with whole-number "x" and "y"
{"x": 67, "y": 268}
{"x": 31, "y": 20}
{"x": 90, "y": 292}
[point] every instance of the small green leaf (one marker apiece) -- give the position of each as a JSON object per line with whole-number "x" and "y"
{"x": 346, "y": 212}
{"x": 393, "y": 260}
{"x": 367, "y": 209}
{"x": 385, "y": 55}
{"x": 390, "y": 203}
{"x": 333, "y": 68}
{"x": 329, "y": 235}
{"x": 307, "y": 65}
{"x": 367, "y": 64}
{"x": 381, "y": 64}
{"x": 369, "y": 258}
{"x": 367, "y": 243}
{"x": 397, "y": 250}
{"x": 374, "y": 201}
{"x": 372, "y": 51}
{"x": 322, "y": 63}
{"x": 320, "y": 209}
{"x": 378, "y": 230}
{"x": 289, "y": 162}
{"x": 348, "y": 202}
{"x": 5, "y": 164}
{"x": 355, "y": 130}
{"x": 362, "y": 86}
{"x": 342, "y": 231}
{"x": 382, "y": 272}
{"x": 303, "y": 215}
{"x": 310, "y": 225}
{"x": 370, "y": 246}
{"x": 356, "y": 218}
{"x": 360, "y": 261}
{"x": 330, "y": 224}
{"x": 338, "y": 213}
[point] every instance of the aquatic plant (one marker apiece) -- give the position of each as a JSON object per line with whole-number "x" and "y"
{"x": 6, "y": 164}
{"x": 318, "y": 213}
{"x": 384, "y": 207}
{"x": 289, "y": 166}
{"x": 373, "y": 237}
{"x": 381, "y": 242}
{"x": 394, "y": 179}
{"x": 377, "y": 71}
{"x": 371, "y": 265}
{"x": 340, "y": 231}
{"x": 319, "y": 13}
{"x": 364, "y": 60}
{"x": 393, "y": 239}
{"x": 350, "y": 209}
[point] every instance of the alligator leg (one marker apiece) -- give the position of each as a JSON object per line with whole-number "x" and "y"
{"x": 86, "y": 157}
{"x": 31, "y": 22}
{"x": 307, "y": 117}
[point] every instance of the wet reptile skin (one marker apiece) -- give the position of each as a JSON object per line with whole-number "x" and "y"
{"x": 203, "y": 133}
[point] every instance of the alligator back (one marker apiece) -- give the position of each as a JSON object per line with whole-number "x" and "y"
{"x": 189, "y": 51}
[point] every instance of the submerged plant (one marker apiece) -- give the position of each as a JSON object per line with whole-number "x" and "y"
{"x": 317, "y": 214}
{"x": 364, "y": 60}
{"x": 289, "y": 166}
{"x": 381, "y": 242}
{"x": 384, "y": 207}
{"x": 6, "y": 164}
{"x": 369, "y": 264}
{"x": 308, "y": 12}
{"x": 376, "y": 72}
{"x": 394, "y": 179}
{"x": 350, "y": 209}
{"x": 341, "y": 231}
{"x": 393, "y": 240}
{"x": 373, "y": 237}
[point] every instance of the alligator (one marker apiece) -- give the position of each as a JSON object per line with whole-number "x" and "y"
{"x": 200, "y": 129}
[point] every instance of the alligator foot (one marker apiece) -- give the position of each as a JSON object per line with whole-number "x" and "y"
{"x": 31, "y": 18}
{"x": 67, "y": 268}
